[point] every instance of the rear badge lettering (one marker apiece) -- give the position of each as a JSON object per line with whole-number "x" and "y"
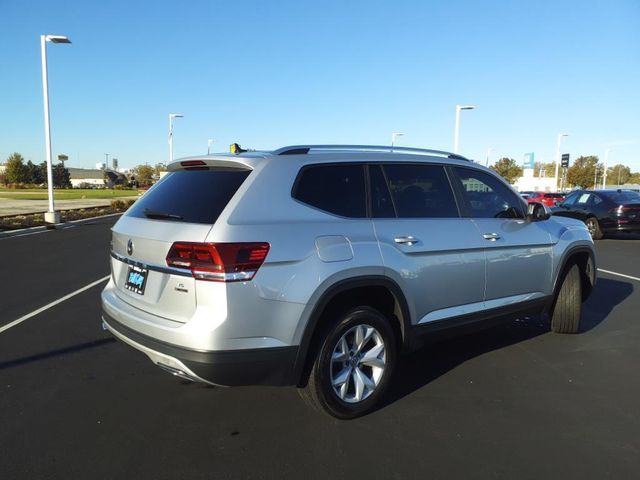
{"x": 180, "y": 288}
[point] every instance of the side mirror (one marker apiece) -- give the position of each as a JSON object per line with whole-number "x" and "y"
{"x": 537, "y": 211}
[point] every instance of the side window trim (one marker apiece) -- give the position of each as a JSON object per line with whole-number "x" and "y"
{"x": 386, "y": 184}
{"x": 456, "y": 184}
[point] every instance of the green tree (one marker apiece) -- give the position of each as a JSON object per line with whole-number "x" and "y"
{"x": 35, "y": 173}
{"x": 160, "y": 167}
{"x": 61, "y": 176}
{"x": 547, "y": 169}
{"x": 144, "y": 175}
{"x": 582, "y": 172}
{"x": 618, "y": 175}
{"x": 635, "y": 178}
{"x": 508, "y": 169}
{"x": 16, "y": 171}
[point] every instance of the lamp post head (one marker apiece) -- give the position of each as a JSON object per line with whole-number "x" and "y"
{"x": 465, "y": 107}
{"x": 176, "y": 115}
{"x": 57, "y": 39}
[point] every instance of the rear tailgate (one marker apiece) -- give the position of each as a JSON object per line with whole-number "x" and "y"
{"x": 181, "y": 208}
{"x": 157, "y": 290}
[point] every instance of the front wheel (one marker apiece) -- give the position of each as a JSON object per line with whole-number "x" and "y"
{"x": 565, "y": 317}
{"x": 354, "y": 364}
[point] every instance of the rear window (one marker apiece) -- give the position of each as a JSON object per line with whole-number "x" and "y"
{"x": 622, "y": 197}
{"x": 189, "y": 196}
{"x": 337, "y": 189}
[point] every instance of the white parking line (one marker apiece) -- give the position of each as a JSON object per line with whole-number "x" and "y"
{"x": 26, "y": 234}
{"x": 52, "y": 304}
{"x": 619, "y": 274}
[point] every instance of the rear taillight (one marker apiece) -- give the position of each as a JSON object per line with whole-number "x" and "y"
{"x": 623, "y": 210}
{"x": 219, "y": 262}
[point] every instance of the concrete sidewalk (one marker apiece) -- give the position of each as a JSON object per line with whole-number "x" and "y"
{"x": 21, "y": 207}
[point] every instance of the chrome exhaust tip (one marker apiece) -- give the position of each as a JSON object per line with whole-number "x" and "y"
{"x": 177, "y": 372}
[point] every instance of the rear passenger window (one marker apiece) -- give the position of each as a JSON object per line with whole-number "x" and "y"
{"x": 488, "y": 197}
{"x": 421, "y": 191}
{"x": 337, "y": 189}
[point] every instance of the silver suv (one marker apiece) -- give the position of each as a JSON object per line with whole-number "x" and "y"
{"x": 316, "y": 266}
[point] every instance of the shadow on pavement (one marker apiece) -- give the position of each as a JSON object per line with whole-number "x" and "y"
{"x": 623, "y": 236}
{"x": 417, "y": 369}
{"x": 607, "y": 294}
{"x": 55, "y": 353}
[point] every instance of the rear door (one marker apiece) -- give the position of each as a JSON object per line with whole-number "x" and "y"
{"x": 519, "y": 252}
{"x": 183, "y": 206}
{"x": 434, "y": 254}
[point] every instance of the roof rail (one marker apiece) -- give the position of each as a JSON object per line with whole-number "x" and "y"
{"x": 304, "y": 149}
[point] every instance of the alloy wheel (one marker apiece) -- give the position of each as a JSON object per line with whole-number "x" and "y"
{"x": 358, "y": 363}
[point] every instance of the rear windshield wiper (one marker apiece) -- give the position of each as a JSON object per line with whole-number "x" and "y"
{"x": 161, "y": 215}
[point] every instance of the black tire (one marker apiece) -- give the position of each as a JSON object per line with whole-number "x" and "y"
{"x": 594, "y": 228}
{"x": 319, "y": 391}
{"x": 565, "y": 317}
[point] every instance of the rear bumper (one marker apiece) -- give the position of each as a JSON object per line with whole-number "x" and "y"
{"x": 260, "y": 366}
{"x": 625, "y": 226}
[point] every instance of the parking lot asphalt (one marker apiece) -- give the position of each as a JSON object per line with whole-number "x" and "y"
{"x": 515, "y": 401}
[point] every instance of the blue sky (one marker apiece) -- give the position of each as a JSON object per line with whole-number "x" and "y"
{"x": 268, "y": 74}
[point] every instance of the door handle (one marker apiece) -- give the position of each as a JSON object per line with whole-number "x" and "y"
{"x": 491, "y": 236}
{"x": 406, "y": 240}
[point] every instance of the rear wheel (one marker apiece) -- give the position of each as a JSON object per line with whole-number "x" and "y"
{"x": 353, "y": 366}
{"x": 594, "y": 228}
{"x": 567, "y": 310}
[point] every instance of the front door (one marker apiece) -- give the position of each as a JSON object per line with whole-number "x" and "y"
{"x": 518, "y": 251}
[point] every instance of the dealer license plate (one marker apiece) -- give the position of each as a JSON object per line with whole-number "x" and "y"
{"x": 136, "y": 279}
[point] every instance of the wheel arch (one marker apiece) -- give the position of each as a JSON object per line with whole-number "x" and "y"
{"x": 377, "y": 291}
{"x": 584, "y": 257}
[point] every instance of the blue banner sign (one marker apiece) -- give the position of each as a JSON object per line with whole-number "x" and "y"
{"x": 529, "y": 161}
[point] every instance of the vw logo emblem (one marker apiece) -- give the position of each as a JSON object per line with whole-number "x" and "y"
{"x": 129, "y": 247}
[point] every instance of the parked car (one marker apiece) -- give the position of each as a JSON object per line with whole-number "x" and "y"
{"x": 316, "y": 266}
{"x": 603, "y": 211}
{"x": 546, "y": 198}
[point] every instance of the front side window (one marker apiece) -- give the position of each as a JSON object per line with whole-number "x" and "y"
{"x": 488, "y": 197}
{"x": 337, "y": 189}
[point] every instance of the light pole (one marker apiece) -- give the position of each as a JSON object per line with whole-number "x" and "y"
{"x": 488, "y": 155}
{"x": 606, "y": 162}
{"x": 171, "y": 117}
{"x": 209, "y": 145}
{"x": 51, "y": 216}
{"x": 619, "y": 172}
{"x": 560, "y": 135}
{"x": 394, "y": 136}
{"x": 456, "y": 133}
